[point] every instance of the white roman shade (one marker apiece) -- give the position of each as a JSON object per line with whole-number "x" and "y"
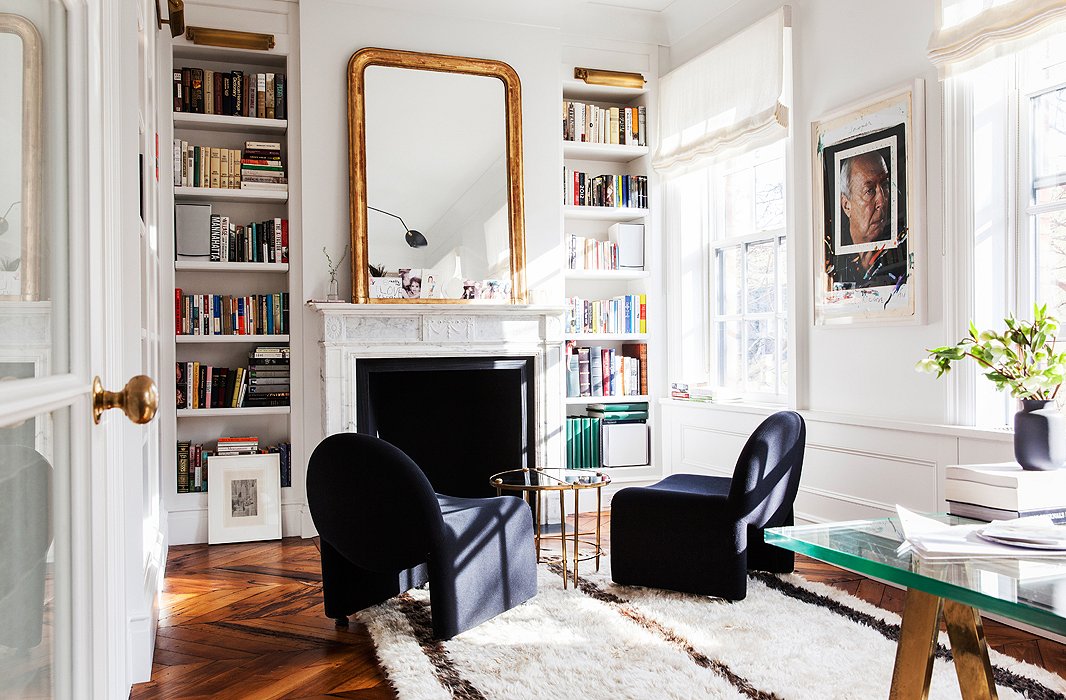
{"x": 972, "y": 32}
{"x": 729, "y": 97}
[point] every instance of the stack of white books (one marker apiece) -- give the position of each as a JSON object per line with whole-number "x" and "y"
{"x": 1004, "y": 492}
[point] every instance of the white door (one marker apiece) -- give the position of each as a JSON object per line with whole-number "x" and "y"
{"x": 68, "y": 219}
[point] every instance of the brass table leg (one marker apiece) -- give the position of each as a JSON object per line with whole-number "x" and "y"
{"x": 917, "y": 643}
{"x": 970, "y": 651}
{"x": 599, "y": 515}
{"x": 562, "y": 530}
{"x": 577, "y": 532}
{"x": 914, "y": 653}
{"x": 540, "y": 514}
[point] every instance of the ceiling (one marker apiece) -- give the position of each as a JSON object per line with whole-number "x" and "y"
{"x": 650, "y": 21}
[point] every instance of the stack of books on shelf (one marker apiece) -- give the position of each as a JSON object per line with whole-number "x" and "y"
{"x": 206, "y": 166}
{"x": 199, "y": 385}
{"x": 1004, "y": 491}
{"x": 582, "y": 189}
{"x": 224, "y": 314}
{"x": 621, "y": 314}
{"x": 603, "y": 371}
{"x": 234, "y": 93}
{"x": 265, "y": 241}
{"x": 591, "y": 254}
{"x": 261, "y": 166}
{"x": 268, "y": 377}
{"x": 594, "y": 124}
{"x": 610, "y": 435}
{"x": 193, "y": 459}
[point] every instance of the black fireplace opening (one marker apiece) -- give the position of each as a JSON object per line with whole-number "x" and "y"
{"x": 461, "y": 419}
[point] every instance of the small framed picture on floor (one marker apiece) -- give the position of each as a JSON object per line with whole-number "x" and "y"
{"x": 244, "y": 498}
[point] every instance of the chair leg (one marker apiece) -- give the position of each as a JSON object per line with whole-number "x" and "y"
{"x": 347, "y": 588}
{"x": 767, "y": 557}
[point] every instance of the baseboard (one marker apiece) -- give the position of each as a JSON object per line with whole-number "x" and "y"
{"x": 190, "y": 526}
{"x": 141, "y": 628}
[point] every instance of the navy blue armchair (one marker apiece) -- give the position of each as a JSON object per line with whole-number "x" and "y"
{"x": 383, "y": 531}
{"x": 701, "y": 534}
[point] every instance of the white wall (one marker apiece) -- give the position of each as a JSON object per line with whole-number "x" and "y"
{"x": 330, "y": 32}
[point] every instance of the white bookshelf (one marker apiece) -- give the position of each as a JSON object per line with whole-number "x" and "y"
{"x": 271, "y": 424}
{"x": 594, "y": 222}
{"x": 218, "y": 194}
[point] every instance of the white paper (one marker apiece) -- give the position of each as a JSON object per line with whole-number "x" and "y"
{"x": 933, "y": 539}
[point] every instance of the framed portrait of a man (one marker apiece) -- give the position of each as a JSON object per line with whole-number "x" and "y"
{"x": 869, "y": 167}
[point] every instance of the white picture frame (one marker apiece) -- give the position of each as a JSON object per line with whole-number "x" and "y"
{"x": 244, "y": 498}
{"x": 879, "y": 280}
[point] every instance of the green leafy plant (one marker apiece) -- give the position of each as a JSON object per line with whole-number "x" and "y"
{"x": 1022, "y": 358}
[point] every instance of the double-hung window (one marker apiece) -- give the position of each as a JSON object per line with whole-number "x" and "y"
{"x": 748, "y": 323}
{"x": 1011, "y": 112}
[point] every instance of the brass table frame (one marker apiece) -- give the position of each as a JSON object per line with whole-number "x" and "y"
{"x": 916, "y": 649}
{"x": 556, "y": 484}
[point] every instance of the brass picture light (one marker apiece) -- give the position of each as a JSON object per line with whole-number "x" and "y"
{"x": 175, "y": 16}
{"x": 611, "y": 78}
{"x": 230, "y": 38}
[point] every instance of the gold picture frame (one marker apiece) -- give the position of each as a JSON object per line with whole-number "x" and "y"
{"x": 357, "y": 199}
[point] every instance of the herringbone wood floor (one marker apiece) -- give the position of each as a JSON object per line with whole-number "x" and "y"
{"x": 246, "y": 621}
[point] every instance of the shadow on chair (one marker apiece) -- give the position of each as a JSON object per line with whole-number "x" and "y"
{"x": 702, "y": 534}
{"x": 384, "y": 531}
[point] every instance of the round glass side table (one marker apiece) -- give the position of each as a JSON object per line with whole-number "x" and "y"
{"x": 533, "y": 483}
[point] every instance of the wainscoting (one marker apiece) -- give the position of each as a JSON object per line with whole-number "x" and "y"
{"x": 854, "y": 467}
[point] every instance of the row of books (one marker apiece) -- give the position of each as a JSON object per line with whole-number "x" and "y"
{"x": 621, "y": 314}
{"x": 193, "y": 459}
{"x": 582, "y": 189}
{"x": 258, "y": 166}
{"x": 591, "y": 254}
{"x": 583, "y": 442}
{"x": 269, "y": 374}
{"x": 234, "y": 93}
{"x": 594, "y": 124}
{"x": 224, "y": 314}
{"x": 601, "y": 371}
{"x": 264, "y": 382}
{"x": 263, "y": 241}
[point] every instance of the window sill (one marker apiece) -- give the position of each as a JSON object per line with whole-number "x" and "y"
{"x": 765, "y": 409}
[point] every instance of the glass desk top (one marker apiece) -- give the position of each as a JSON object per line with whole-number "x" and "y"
{"x": 1031, "y": 590}
{"x": 549, "y": 479}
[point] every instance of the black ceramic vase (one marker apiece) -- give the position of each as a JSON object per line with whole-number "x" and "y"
{"x": 1039, "y": 436}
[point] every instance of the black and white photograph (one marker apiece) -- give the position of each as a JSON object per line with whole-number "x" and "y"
{"x": 868, "y": 175}
{"x": 244, "y": 501}
{"x": 244, "y": 498}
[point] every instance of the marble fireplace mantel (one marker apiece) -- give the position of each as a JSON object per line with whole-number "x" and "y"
{"x": 349, "y": 332}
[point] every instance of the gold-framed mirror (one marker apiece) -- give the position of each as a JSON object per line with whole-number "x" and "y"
{"x": 436, "y": 199}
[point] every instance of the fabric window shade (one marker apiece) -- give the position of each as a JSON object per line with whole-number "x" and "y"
{"x": 730, "y": 97}
{"x": 973, "y": 32}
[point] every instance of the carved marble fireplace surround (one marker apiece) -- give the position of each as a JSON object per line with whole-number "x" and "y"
{"x": 350, "y": 332}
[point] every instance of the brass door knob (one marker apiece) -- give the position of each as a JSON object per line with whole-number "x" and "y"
{"x": 138, "y": 399}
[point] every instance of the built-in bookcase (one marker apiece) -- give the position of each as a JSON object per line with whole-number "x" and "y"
{"x": 598, "y": 282}
{"x": 271, "y": 424}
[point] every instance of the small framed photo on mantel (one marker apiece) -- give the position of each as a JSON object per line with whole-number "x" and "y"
{"x": 244, "y": 498}
{"x": 869, "y": 196}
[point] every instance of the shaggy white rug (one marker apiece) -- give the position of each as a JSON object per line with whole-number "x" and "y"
{"x": 789, "y": 639}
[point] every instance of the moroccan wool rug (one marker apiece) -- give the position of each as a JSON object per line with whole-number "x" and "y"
{"x": 789, "y": 639}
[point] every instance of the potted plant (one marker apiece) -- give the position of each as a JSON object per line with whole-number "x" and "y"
{"x": 1023, "y": 359}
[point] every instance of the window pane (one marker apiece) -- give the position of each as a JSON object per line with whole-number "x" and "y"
{"x": 761, "y": 279}
{"x": 782, "y": 274}
{"x": 761, "y": 356}
{"x": 782, "y": 366}
{"x": 729, "y": 355}
{"x": 770, "y": 195}
{"x": 738, "y": 204}
{"x": 1049, "y": 146}
{"x": 1051, "y": 261}
{"x": 729, "y": 281}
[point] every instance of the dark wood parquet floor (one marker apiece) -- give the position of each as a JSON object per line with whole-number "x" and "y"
{"x": 245, "y": 621}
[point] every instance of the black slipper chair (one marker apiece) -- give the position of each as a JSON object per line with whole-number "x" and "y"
{"x": 701, "y": 534}
{"x": 384, "y": 531}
